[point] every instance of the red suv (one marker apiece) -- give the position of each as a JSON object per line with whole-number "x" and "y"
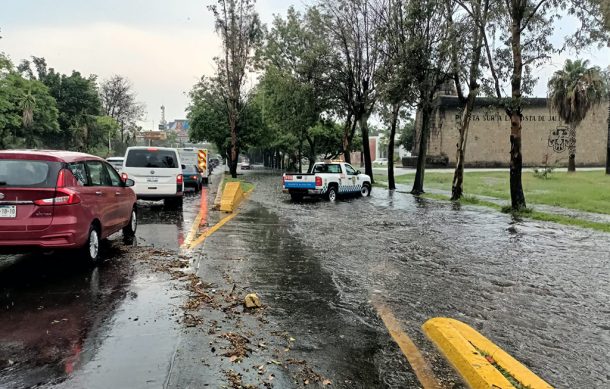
{"x": 60, "y": 199}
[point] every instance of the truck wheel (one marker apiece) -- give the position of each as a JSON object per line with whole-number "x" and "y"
{"x": 296, "y": 196}
{"x": 331, "y": 195}
{"x": 365, "y": 191}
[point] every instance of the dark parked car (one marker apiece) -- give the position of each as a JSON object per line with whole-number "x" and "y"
{"x": 192, "y": 177}
{"x": 59, "y": 200}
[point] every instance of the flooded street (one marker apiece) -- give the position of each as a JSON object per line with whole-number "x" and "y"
{"x": 323, "y": 271}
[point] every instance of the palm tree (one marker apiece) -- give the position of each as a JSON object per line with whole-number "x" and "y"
{"x": 27, "y": 105}
{"x": 573, "y": 90}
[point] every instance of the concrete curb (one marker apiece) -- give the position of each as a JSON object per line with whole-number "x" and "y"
{"x": 476, "y": 358}
{"x": 218, "y": 196}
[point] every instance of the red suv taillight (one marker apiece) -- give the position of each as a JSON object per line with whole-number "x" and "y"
{"x": 318, "y": 181}
{"x": 179, "y": 179}
{"x": 62, "y": 197}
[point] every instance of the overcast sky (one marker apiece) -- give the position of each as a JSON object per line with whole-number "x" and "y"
{"x": 162, "y": 46}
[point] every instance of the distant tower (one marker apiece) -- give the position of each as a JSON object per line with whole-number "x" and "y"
{"x": 163, "y": 122}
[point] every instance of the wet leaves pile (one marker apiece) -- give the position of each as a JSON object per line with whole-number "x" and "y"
{"x": 205, "y": 300}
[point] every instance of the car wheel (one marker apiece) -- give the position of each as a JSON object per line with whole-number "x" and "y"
{"x": 365, "y": 191}
{"x": 91, "y": 249}
{"x": 130, "y": 229}
{"x": 331, "y": 195}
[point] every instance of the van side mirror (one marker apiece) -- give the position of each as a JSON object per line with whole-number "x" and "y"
{"x": 183, "y": 167}
{"x": 358, "y": 172}
{"x": 129, "y": 182}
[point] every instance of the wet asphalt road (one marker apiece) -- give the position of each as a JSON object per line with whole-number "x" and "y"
{"x": 539, "y": 290}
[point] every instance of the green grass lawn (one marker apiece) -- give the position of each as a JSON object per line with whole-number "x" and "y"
{"x": 586, "y": 191}
{"x": 245, "y": 186}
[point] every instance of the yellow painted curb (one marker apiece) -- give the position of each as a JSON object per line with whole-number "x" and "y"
{"x": 476, "y": 358}
{"x": 232, "y": 196}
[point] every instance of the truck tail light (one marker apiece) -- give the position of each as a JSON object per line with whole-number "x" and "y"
{"x": 318, "y": 181}
{"x": 62, "y": 197}
{"x": 179, "y": 179}
{"x": 283, "y": 180}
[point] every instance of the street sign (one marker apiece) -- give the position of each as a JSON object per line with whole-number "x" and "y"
{"x": 153, "y": 135}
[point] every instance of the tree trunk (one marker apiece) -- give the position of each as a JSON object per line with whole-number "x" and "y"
{"x": 608, "y": 142}
{"x": 572, "y": 149}
{"x": 300, "y": 154}
{"x": 457, "y": 187}
{"x": 516, "y": 159}
{"x": 418, "y": 184}
{"x": 395, "y": 112}
{"x": 347, "y": 146}
{"x": 364, "y": 128}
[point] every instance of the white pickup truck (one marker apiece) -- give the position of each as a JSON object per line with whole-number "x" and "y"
{"x": 328, "y": 179}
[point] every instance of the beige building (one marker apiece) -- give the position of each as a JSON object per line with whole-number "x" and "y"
{"x": 545, "y": 136}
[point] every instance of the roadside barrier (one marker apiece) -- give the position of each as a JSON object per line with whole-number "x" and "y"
{"x": 232, "y": 196}
{"x": 480, "y": 362}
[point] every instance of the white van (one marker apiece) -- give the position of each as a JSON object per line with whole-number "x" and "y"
{"x": 157, "y": 173}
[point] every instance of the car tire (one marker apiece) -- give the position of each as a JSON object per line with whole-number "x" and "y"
{"x": 365, "y": 191}
{"x": 129, "y": 231}
{"x": 91, "y": 250}
{"x": 331, "y": 194}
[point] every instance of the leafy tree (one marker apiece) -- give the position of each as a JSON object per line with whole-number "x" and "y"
{"x": 239, "y": 28}
{"x": 28, "y": 113}
{"x": 467, "y": 35}
{"x": 573, "y": 90}
{"x": 354, "y": 29}
{"x": 207, "y": 118}
{"x": 207, "y": 115}
{"x": 525, "y": 28}
{"x": 428, "y": 52}
{"x": 296, "y": 58}
{"x": 395, "y": 75}
{"x": 407, "y": 134}
{"x": 291, "y": 106}
{"x": 119, "y": 102}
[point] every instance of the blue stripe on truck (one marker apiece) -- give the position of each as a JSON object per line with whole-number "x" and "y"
{"x": 299, "y": 185}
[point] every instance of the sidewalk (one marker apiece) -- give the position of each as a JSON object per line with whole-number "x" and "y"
{"x": 572, "y": 213}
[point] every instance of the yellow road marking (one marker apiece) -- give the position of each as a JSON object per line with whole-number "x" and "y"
{"x": 193, "y": 231}
{"x": 212, "y": 230}
{"x": 422, "y": 370}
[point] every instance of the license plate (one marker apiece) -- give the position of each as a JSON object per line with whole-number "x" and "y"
{"x": 8, "y": 211}
{"x": 152, "y": 179}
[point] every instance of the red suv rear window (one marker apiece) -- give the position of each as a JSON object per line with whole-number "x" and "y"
{"x": 23, "y": 173}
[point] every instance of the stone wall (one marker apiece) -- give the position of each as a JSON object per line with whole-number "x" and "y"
{"x": 544, "y": 135}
